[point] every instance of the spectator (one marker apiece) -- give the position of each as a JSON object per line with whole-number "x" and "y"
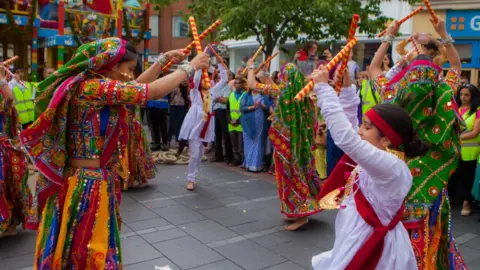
{"x": 178, "y": 109}
{"x": 353, "y": 68}
{"x": 158, "y": 112}
{"x": 23, "y": 94}
{"x": 234, "y": 114}
{"x": 307, "y": 59}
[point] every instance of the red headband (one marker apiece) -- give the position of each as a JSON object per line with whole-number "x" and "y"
{"x": 385, "y": 128}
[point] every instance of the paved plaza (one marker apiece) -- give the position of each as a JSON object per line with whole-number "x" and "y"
{"x": 230, "y": 222}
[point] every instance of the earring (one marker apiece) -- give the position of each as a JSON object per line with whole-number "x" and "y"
{"x": 399, "y": 154}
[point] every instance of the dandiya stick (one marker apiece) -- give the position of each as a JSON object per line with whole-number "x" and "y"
{"x": 8, "y": 61}
{"x": 253, "y": 58}
{"x": 304, "y": 92}
{"x": 413, "y": 13}
{"x": 415, "y": 47}
{"x": 218, "y": 57}
{"x": 198, "y": 46}
{"x": 343, "y": 66}
{"x": 266, "y": 62}
{"x": 187, "y": 49}
{"x": 431, "y": 11}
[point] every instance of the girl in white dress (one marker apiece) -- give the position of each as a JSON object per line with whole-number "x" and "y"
{"x": 368, "y": 230}
{"x": 198, "y": 128}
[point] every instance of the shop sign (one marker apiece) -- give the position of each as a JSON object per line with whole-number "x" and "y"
{"x": 464, "y": 23}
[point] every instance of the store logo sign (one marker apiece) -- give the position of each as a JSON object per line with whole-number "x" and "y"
{"x": 475, "y": 23}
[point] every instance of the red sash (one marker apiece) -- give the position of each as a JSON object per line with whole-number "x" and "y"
{"x": 337, "y": 177}
{"x": 370, "y": 252}
{"x": 205, "y": 126}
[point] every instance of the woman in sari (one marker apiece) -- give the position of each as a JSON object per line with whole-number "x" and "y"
{"x": 15, "y": 195}
{"x": 77, "y": 143}
{"x": 253, "y": 106}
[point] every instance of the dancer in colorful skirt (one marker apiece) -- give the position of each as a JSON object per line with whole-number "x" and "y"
{"x": 76, "y": 144}
{"x": 368, "y": 230}
{"x": 429, "y": 101}
{"x": 15, "y": 195}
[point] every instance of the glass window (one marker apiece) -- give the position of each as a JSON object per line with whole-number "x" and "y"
{"x": 180, "y": 27}
{"x": 465, "y": 52}
{"x": 154, "y": 25}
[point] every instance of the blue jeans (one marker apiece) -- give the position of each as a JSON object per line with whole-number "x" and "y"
{"x": 177, "y": 114}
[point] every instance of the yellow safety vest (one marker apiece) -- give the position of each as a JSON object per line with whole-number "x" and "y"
{"x": 368, "y": 98}
{"x": 24, "y": 103}
{"x": 470, "y": 149}
{"x": 235, "y": 112}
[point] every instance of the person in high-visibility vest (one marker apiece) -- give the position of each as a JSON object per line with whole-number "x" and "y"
{"x": 23, "y": 97}
{"x": 233, "y": 116}
{"x": 369, "y": 97}
{"x": 468, "y": 99}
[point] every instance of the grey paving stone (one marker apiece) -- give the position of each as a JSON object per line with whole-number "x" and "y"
{"x": 147, "y": 194}
{"x": 147, "y": 224}
{"x": 17, "y": 262}
{"x": 468, "y": 254}
{"x": 207, "y": 231}
{"x": 27, "y": 268}
{"x": 20, "y": 244}
{"x": 124, "y": 228}
{"x": 232, "y": 199}
{"x": 160, "y": 236}
{"x": 297, "y": 252}
{"x": 258, "y": 225}
{"x": 137, "y": 212}
{"x": 473, "y": 243}
{"x": 198, "y": 202}
{"x": 250, "y": 255}
{"x": 221, "y": 265}
{"x": 286, "y": 266}
{"x": 160, "y": 203}
{"x": 227, "y": 216}
{"x": 173, "y": 189}
{"x": 213, "y": 192}
{"x": 135, "y": 250}
{"x": 274, "y": 239}
{"x": 179, "y": 214}
{"x": 188, "y": 252}
{"x": 150, "y": 265}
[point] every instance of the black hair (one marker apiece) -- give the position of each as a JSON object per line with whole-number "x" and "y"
{"x": 474, "y": 97}
{"x": 424, "y": 57}
{"x": 399, "y": 120}
{"x": 431, "y": 45}
{"x": 16, "y": 69}
{"x": 130, "y": 53}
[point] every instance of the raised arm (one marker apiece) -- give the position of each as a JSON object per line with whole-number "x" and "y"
{"x": 451, "y": 52}
{"x": 221, "y": 84}
{"x": 374, "y": 161}
{"x": 400, "y": 48}
{"x": 376, "y": 64}
{"x": 152, "y": 73}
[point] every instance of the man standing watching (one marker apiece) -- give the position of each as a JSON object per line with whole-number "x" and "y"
{"x": 23, "y": 95}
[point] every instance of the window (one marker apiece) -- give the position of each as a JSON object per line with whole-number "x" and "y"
{"x": 465, "y": 52}
{"x": 180, "y": 27}
{"x": 154, "y": 25}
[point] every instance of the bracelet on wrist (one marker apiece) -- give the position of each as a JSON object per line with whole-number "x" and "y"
{"x": 447, "y": 40}
{"x": 251, "y": 67}
{"x": 162, "y": 60}
{"x": 188, "y": 69}
{"x": 388, "y": 39}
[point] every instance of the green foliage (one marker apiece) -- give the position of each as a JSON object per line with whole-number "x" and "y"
{"x": 274, "y": 22}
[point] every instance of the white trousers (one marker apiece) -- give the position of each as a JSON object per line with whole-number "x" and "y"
{"x": 196, "y": 154}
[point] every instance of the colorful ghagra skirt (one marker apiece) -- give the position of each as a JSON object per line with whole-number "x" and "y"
{"x": 15, "y": 195}
{"x": 79, "y": 227}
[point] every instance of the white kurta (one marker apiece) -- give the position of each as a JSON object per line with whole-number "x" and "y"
{"x": 194, "y": 120}
{"x": 384, "y": 179}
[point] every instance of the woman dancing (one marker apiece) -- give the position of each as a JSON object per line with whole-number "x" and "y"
{"x": 76, "y": 144}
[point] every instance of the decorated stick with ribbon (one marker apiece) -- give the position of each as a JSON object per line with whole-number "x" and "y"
{"x": 431, "y": 11}
{"x": 304, "y": 92}
{"x": 198, "y": 46}
{"x": 413, "y": 13}
{"x": 343, "y": 66}
{"x": 414, "y": 44}
{"x": 8, "y": 61}
{"x": 187, "y": 49}
{"x": 266, "y": 62}
{"x": 253, "y": 58}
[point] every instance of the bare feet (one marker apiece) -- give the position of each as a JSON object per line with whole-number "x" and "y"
{"x": 10, "y": 231}
{"x": 191, "y": 185}
{"x": 285, "y": 218}
{"x": 297, "y": 224}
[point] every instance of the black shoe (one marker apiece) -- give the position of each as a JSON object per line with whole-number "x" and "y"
{"x": 228, "y": 162}
{"x": 236, "y": 163}
{"x": 155, "y": 147}
{"x": 217, "y": 160}
{"x": 165, "y": 147}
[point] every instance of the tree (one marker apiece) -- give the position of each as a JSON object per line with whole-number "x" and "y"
{"x": 274, "y": 22}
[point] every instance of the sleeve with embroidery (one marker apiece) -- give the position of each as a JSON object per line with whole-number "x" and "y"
{"x": 453, "y": 79}
{"x": 112, "y": 92}
{"x": 377, "y": 163}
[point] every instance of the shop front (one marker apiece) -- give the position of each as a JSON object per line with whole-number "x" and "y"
{"x": 464, "y": 26}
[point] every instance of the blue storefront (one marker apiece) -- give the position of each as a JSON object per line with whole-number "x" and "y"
{"x": 464, "y": 26}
